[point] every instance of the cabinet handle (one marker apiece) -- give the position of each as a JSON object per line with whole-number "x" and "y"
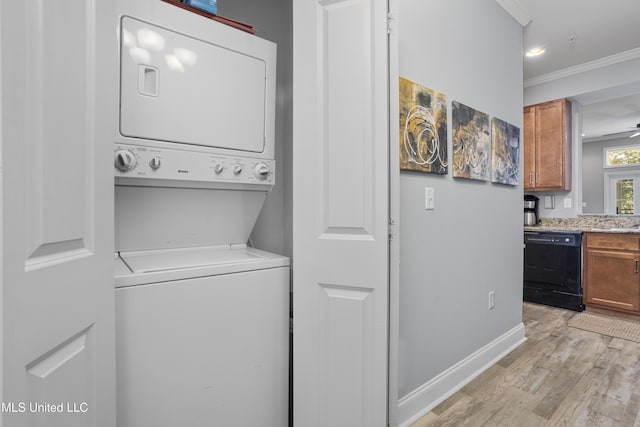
{"x": 635, "y": 268}
{"x": 530, "y": 177}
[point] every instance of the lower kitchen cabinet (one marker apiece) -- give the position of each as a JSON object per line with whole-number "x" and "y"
{"x": 611, "y": 272}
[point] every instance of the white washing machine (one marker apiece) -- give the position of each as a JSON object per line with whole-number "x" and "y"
{"x": 202, "y": 337}
{"x": 202, "y": 320}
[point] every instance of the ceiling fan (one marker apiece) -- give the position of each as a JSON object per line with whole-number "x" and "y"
{"x": 636, "y": 128}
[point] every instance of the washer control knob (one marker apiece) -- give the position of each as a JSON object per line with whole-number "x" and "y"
{"x": 124, "y": 160}
{"x": 261, "y": 170}
{"x": 218, "y": 168}
{"x": 237, "y": 168}
{"x": 155, "y": 162}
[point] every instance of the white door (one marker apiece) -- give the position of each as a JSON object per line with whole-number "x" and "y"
{"x": 58, "y": 104}
{"x": 622, "y": 193}
{"x": 340, "y": 213}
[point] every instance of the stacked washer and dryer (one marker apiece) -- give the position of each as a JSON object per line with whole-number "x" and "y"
{"x": 202, "y": 320}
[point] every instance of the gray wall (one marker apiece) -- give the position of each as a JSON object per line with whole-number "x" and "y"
{"x": 273, "y": 20}
{"x": 593, "y": 173}
{"x": 451, "y": 257}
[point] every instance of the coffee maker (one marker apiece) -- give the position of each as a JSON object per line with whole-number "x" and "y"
{"x": 530, "y": 210}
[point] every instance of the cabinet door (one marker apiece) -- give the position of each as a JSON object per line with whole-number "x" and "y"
{"x": 612, "y": 280}
{"x": 552, "y": 146}
{"x": 529, "y": 148}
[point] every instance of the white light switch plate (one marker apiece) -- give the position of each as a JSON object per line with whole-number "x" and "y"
{"x": 428, "y": 198}
{"x": 567, "y": 202}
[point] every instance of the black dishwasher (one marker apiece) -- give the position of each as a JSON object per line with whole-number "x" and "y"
{"x": 553, "y": 268}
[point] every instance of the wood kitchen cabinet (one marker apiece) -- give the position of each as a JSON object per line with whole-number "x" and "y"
{"x": 611, "y": 272}
{"x": 547, "y": 146}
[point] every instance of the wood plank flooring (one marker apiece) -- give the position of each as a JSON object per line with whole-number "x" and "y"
{"x": 560, "y": 377}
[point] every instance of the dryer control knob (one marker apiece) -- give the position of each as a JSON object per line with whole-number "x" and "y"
{"x": 124, "y": 160}
{"x": 218, "y": 168}
{"x": 261, "y": 170}
{"x": 155, "y": 163}
{"x": 237, "y": 168}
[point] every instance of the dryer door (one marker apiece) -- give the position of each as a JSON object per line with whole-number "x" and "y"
{"x": 176, "y": 88}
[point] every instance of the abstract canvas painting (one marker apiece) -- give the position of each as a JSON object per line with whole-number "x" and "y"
{"x": 505, "y": 153}
{"x": 471, "y": 142}
{"x": 423, "y": 129}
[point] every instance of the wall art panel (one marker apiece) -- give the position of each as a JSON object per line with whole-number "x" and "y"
{"x": 423, "y": 129}
{"x": 471, "y": 142}
{"x": 505, "y": 152}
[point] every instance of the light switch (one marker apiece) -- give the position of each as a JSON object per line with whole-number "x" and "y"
{"x": 428, "y": 198}
{"x": 567, "y": 202}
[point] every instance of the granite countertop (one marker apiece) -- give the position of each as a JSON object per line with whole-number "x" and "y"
{"x": 629, "y": 224}
{"x": 545, "y": 227}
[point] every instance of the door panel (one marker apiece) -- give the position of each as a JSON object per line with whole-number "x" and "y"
{"x": 348, "y": 351}
{"x": 346, "y": 131}
{"x": 58, "y": 103}
{"x": 59, "y": 106}
{"x": 62, "y": 378}
{"x": 340, "y": 207}
{"x": 550, "y": 144}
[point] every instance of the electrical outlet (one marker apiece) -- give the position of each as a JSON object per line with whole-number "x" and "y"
{"x": 492, "y": 300}
{"x": 549, "y": 202}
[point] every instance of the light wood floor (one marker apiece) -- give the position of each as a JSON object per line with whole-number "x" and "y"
{"x": 560, "y": 377}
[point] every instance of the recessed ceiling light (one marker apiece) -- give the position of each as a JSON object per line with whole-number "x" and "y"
{"x": 535, "y": 51}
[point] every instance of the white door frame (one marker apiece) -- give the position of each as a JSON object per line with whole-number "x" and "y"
{"x": 394, "y": 216}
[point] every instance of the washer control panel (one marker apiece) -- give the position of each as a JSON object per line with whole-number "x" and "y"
{"x": 135, "y": 161}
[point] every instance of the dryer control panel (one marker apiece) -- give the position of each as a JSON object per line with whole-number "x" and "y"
{"x": 136, "y": 161}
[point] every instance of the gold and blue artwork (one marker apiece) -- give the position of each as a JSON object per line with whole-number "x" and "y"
{"x": 423, "y": 128}
{"x": 505, "y": 152}
{"x": 471, "y": 142}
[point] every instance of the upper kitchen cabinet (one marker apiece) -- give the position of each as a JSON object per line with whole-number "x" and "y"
{"x": 547, "y": 146}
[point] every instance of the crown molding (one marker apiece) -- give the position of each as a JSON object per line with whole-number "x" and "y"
{"x": 582, "y": 68}
{"x": 515, "y": 9}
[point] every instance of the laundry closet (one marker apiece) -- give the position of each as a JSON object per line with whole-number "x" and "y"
{"x": 202, "y": 315}
{"x": 86, "y": 187}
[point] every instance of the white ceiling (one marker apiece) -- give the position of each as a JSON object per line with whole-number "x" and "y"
{"x": 599, "y": 29}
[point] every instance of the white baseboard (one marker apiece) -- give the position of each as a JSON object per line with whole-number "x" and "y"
{"x": 429, "y": 395}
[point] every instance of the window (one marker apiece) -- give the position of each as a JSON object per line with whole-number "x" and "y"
{"x": 622, "y": 193}
{"x": 624, "y": 196}
{"x": 622, "y": 156}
